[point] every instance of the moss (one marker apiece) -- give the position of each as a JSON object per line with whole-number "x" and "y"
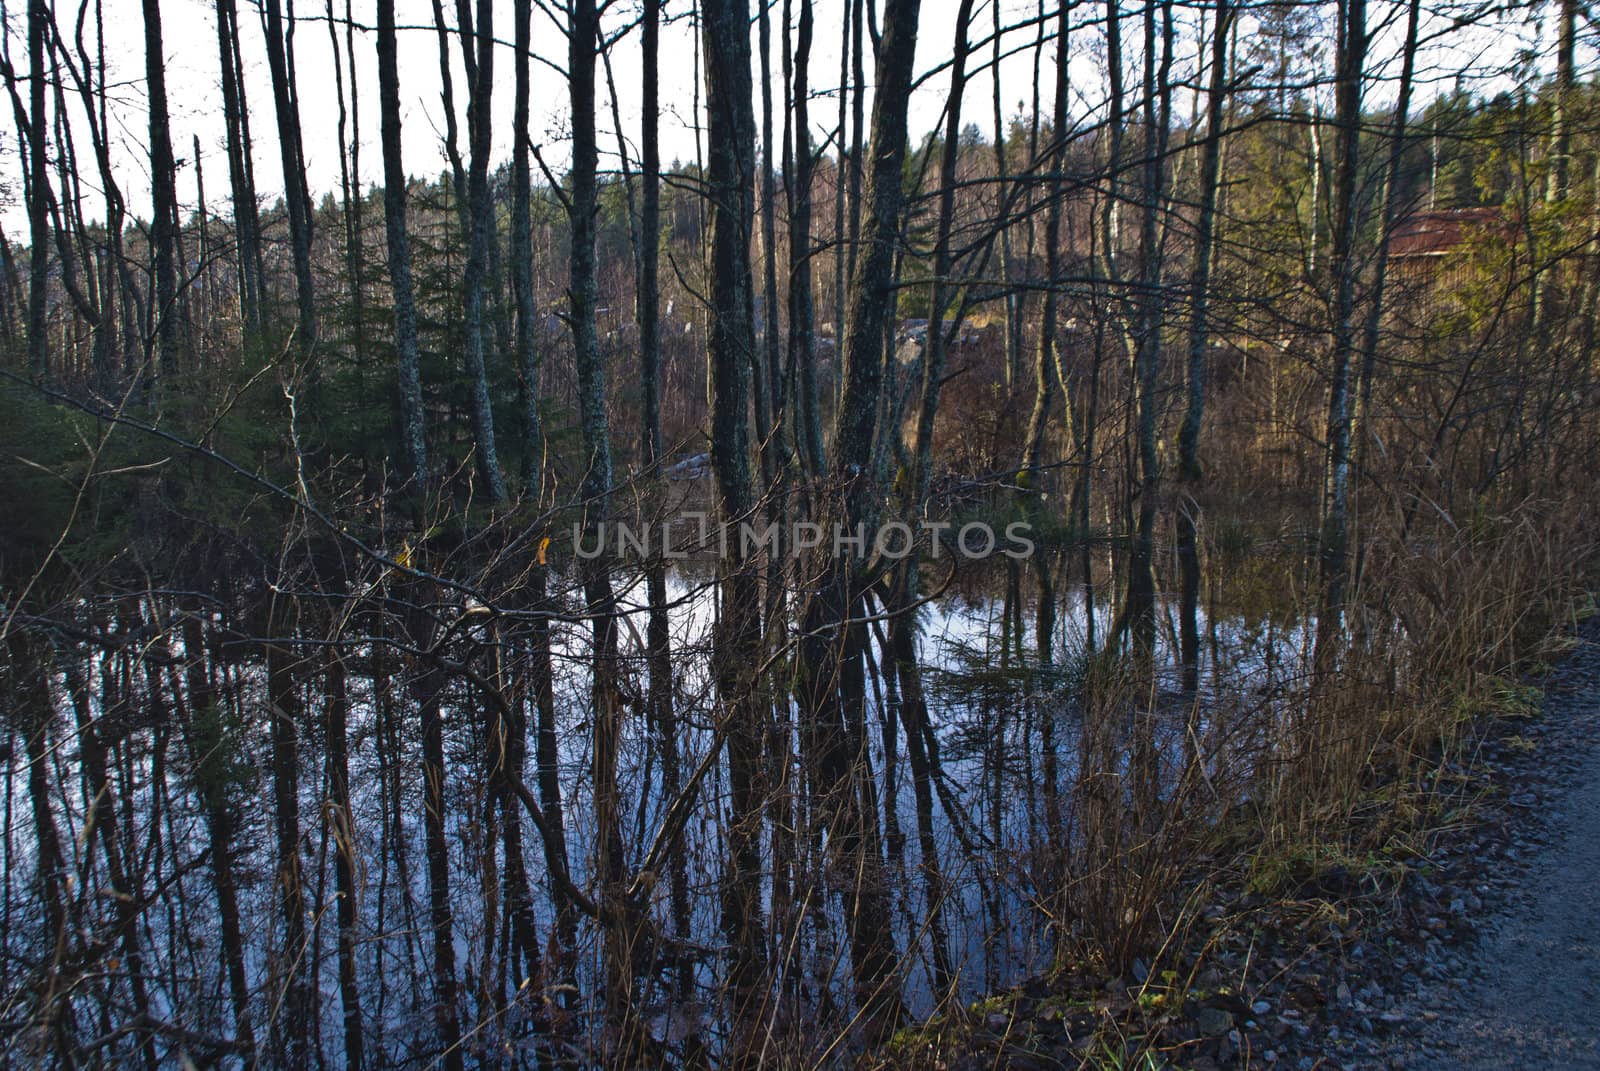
{"x": 1000, "y": 1002}
{"x": 1301, "y": 867}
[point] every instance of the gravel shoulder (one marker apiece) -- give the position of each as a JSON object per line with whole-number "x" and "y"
{"x": 1527, "y": 992}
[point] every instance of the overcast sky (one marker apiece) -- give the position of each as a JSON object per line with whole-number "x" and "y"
{"x": 195, "y": 103}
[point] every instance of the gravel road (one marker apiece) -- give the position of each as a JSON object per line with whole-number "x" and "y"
{"x": 1530, "y": 998}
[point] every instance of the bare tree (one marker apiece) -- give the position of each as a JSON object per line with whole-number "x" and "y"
{"x": 799, "y": 168}
{"x": 836, "y": 693}
{"x": 291, "y": 1026}
{"x": 241, "y": 169}
{"x": 38, "y": 190}
{"x": 412, "y": 419}
{"x": 583, "y": 42}
{"x": 658, "y": 637}
{"x": 1333, "y": 548}
{"x": 1199, "y": 343}
{"x": 730, "y": 177}
{"x": 477, "y": 47}
{"x": 163, "y": 183}
{"x": 1150, "y": 303}
{"x": 296, "y": 194}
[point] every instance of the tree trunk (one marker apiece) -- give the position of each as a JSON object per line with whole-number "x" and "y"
{"x": 1380, "y": 268}
{"x": 350, "y": 180}
{"x": 480, "y": 211}
{"x": 799, "y": 171}
{"x": 1011, "y": 323}
{"x": 53, "y": 993}
{"x": 1561, "y": 118}
{"x": 766, "y": 374}
{"x": 210, "y": 753}
{"x": 583, "y": 39}
{"x": 732, "y": 166}
{"x": 294, "y": 1024}
{"x": 345, "y": 865}
{"x": 441, "y": 923}
{"x": 394, "y": 216}
{"x": 1048, "y": 370}
{"x": 658, "y": 640}
{"x": 241, "y": 170}
{"x": 246, "y": 218}
{"x": 296, "y": 196}
{"x": 1046, "y": 359}
{"x": 111, "y": 329}
{"x": 526, "y": 343}
{"x": 1139, "y": 611}
{"x": 1188, "y": 512}
{"x": 38, "y": 190}
{"x": 508, "y": 756}
{"x": 1335, "y": 540}
{"x": 835, "y": 701}
{"x": 164, "y": 193}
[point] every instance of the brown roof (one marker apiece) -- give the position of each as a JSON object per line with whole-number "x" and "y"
{"x": 1438, "y": 233}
